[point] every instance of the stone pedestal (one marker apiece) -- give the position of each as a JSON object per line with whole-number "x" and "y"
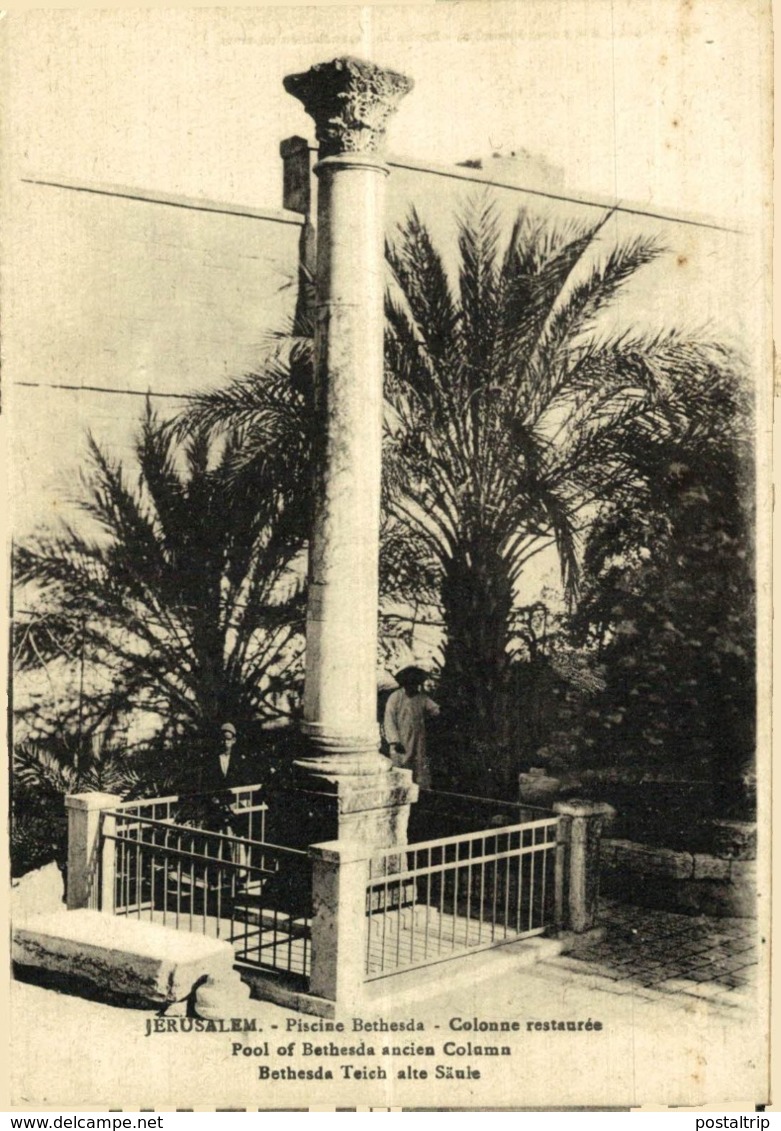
{"x": 372, "y": 811}
{"x": 537, "y": 787}
{"x": 85, "y": 815}
{"x": 344, "y": 776}
{"x": 581, "y": 826}
{"x": 339, "y": 876}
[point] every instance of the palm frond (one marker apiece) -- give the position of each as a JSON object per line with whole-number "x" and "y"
{"x": 420, "y": 274}
{"x": 479, "y": 282}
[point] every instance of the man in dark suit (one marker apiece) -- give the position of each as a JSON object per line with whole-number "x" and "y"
{"x": 225, "y": 768}
{"x": 221, "y": 770}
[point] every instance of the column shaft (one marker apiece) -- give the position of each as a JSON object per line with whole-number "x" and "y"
{"x": 341, "y": 683}
{"x": 350, "y": 101}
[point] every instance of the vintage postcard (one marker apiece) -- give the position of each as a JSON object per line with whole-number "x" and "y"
{"x": 387, "y": 396}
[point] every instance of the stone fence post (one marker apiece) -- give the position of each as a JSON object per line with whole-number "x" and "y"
{"x": 339, "y": 925}
{"x": 577, "y": 873}
{"x": 85, "y": 821}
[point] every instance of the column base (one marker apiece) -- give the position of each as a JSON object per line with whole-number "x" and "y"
{"x": 371, "y": 810}
{"x": 333, "y": 767}
{"x": 331, "y": 755}
{"x": 328, "y": 752}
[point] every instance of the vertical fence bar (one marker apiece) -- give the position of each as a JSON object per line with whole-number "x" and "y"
{"x": 218, "y": 908}
{"x": 481, "y": 916}
{"x": 559, "y": 871}
{"x": 532, "y": 860}
{"x": 441, "y": 900}
{"x": 125, "y": 881}
{"x": 108, "y": 871}
{"x": 544, "y": 878}
{"x": 428, "y": 904}
{"x": 178, "y": 880}
{"x": 192, "y": 889}
{"x": 84, "y": 832}
{"x": 153, "y": 869}
{"x": 138, "y": 877}
{"x": 383, "y": 911}
{"x": 519, "y": 893}
{"x": 506, "y": 888}
{"x": 455, "y": 901}
{"x": 205, "y": 896}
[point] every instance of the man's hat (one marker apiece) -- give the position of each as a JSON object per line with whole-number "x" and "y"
{"x": 228, "y": 728}
{"x": 411, "y": 674}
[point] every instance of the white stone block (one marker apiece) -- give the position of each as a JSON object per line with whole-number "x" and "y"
{"x": 121, "y": 956}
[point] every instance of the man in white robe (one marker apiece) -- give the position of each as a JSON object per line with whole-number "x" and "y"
{"x": 406, "y": 713}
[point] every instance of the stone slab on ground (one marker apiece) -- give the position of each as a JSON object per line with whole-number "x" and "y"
{"x": 121, "y": 956}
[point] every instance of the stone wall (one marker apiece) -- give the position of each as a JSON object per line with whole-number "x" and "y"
{"x": 696, "y": 883}
{"x": 112, "y": 295}
{"x": 116, "y": 288}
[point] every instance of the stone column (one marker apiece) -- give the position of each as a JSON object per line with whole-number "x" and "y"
{"x": 84, "y": 825}
{"x": 350, "y": 101}
{"x": 578, "y": 886}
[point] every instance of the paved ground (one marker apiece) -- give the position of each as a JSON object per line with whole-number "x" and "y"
{"x": 677, "y": 1025}
{"x": 661, "y": 950}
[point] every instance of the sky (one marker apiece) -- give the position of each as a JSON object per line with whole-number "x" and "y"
{"x": 661, "y": 102}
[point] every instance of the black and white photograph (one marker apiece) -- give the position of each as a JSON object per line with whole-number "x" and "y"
{"x": 387, "y": 396}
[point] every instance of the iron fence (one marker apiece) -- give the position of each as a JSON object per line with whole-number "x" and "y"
{"x": 208, "y": 877}
{"x": 201, "y": 863}
{"x": 442, "y": 898}
{"x": 246, "y": 803}
{"x": 438, "y": 813}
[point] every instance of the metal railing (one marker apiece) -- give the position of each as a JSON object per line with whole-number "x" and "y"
{"x": 211, "y": 876}
{"x": 442, "y": 898}
{"x": 245, "y": 802}
{"x": 440, "y": 813}
{"x": 200, "y": 863}
{"x": 189, "y": 863}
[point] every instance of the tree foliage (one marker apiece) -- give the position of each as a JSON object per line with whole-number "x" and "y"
{"x": 185, "y": 593}
{"x": 668, "y": 595}
{"x": 512, "y": 419}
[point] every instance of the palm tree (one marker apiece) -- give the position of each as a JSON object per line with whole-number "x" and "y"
{"x": 186, "y": 596}
{"x": 44, "y": 771}
{"x": 506, "y": 425}
{"x": 509, "y": 420}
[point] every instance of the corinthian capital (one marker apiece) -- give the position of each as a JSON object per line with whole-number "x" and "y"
{"x": 350, "y": 101}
